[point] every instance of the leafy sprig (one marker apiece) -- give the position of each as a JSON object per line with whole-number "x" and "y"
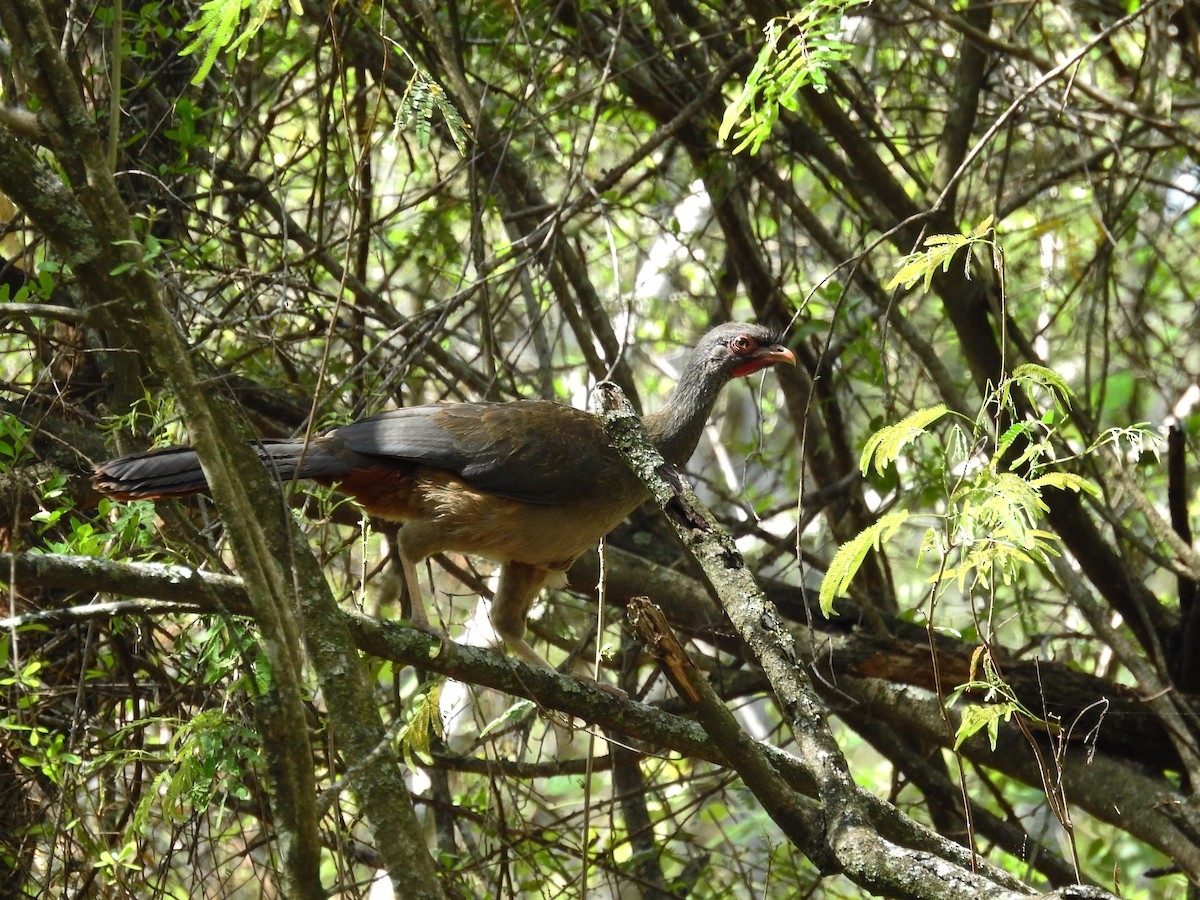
{"x": 939, "y": 252}
{"x": 989, "y": 528}
{"x": 814, "y": 45}
{"x": 217, "y": 30}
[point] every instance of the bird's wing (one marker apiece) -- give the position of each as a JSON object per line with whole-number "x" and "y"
{"x": 528, "y": 450}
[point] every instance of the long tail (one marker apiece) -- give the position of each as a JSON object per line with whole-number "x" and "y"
{"x": 175, "y": 471}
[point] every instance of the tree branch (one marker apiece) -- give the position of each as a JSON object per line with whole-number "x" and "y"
{"x": 846, "y": 840}
{"x": 90, "y": 226}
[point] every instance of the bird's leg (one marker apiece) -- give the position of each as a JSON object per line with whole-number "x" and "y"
{"x": 412, "y": 547}
{"x": 519, "y": 585}
{"x": 412, "y": 586}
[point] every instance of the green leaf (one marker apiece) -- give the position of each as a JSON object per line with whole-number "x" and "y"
{"x": 1067, "y": 481}
{"x": 1030, "y": 375}
{"x": 975, "y": 718}
{"x": 510, "y": 716}
{"x": 980, "y": 231}
{"x": 1015, "y": 431}
{"x": 849, "y": 557}
{"x": 416, "y": 738}
{"x": 885, "y": 445}
{"x": 939, "y": 253}
{"x": 779, "y": 74}
{"x": 422, "y": 96}
{"x": 216, "y": 31}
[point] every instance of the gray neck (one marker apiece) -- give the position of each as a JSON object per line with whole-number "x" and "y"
{"x": 676, "y": 428}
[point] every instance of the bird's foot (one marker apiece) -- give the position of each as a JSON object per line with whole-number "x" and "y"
{"x": 434, "y": 632}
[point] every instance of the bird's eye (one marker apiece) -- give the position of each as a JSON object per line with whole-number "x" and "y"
{"x": 743, "y": 343}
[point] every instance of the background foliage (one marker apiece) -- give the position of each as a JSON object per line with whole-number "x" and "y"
{"x": 351, "y": 207}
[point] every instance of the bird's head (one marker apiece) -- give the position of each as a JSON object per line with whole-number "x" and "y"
{"x": 738, "y": 349}
{"x": 728, "y": 351}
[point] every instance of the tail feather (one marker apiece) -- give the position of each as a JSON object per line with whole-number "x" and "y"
{"x": 176, "y": 471}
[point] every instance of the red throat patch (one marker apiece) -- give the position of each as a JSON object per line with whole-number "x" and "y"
{"x": 750, "y": 367}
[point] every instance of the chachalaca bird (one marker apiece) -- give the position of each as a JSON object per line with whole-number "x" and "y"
{"x": 528, "y": 483}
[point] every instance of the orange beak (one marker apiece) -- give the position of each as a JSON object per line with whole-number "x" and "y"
{"x": 763, "y": 357}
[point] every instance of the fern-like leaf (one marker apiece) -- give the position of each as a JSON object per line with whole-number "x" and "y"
{"x": 421, "y": 98}
{"x": 885, "y": 445}
{"x": 849, "y": 557}
{"x": 1067, "y": 481}
{"x": 939, "y": 252}
{"x": 216, "y": 30}
{"x": 510, "y": 717}
{"x": 1030, "y": 375}
{"x": 778, "y": 74}
{"x": 1014, "y": 431}
{"x": 416, "y": 738}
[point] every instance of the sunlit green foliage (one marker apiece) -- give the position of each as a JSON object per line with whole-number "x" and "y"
{"x": 338, "y": 232}
{"x": 994, "y": 497}
{"x": 812, "y": 43}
